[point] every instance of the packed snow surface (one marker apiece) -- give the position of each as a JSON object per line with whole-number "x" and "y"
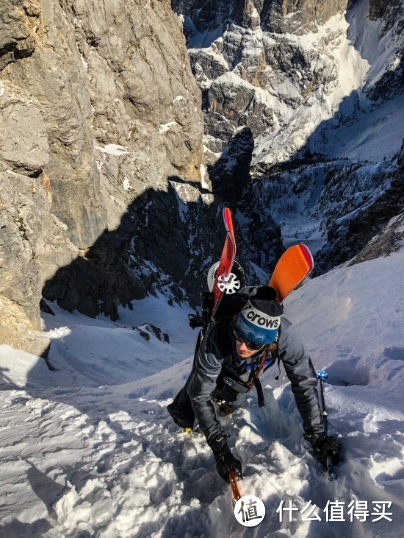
{"x": 88, "y": 449}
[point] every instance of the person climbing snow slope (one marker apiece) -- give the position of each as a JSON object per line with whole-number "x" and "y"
{"x": 233, "y": 352}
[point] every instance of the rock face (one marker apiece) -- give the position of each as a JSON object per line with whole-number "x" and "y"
{"x": 277, "y": 16}
{"x": 230, "y": 174}
{"x": 389, "y": 240}
{"x": 373, "y": 199}
{"x": 100, "y": 150}
{"x": 19, "y": 23}
{"x": 258, "y": 70}
{"x": 256, "y": 66}
{"x": 379, "y": 8}
{"x": 16, "y": 330}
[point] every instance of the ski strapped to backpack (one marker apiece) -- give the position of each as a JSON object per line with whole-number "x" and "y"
{"x": 225, "y": 280}
{"x": 293, "y": 266}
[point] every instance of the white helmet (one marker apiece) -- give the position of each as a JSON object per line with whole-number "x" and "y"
{"x": 212, "y": 275}
{"x": 237, "y": 270}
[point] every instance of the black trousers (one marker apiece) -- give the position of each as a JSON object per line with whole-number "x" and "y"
{"x": 181, "y": 409}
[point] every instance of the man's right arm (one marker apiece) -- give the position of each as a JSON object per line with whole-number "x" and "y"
{"x": 207, "y": 369}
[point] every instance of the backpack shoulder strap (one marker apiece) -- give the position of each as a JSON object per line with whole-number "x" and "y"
{"x": 223, "y": 340}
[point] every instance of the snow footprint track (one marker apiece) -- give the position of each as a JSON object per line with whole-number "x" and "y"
{"x": 170, "y": 468}
{"x": 129, "y": 482}
{"x": 194, "y": 483}
{"x": 159, "y": 498}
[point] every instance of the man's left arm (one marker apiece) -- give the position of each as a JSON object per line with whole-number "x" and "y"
{"x": 300, "y": 371}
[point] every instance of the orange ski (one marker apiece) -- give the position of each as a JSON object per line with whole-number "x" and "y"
{"x": 293, "y": 266}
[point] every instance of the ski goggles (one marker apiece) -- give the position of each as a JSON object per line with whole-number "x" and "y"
{"x": 252, "y": 346}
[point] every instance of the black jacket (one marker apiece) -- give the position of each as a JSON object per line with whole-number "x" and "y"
{"x": 218, "y": 349}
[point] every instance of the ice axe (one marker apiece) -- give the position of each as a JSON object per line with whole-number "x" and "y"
{"x": 234, "y": 488}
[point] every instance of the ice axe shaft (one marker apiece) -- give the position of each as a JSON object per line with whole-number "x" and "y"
{"x": 234, "y": 488}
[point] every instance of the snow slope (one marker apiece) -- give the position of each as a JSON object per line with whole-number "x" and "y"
{"x": 83, "y": 460}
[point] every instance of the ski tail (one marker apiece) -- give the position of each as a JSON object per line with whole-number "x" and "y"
{"x": 227, "y": 258}
{"x": 293, "y": 267}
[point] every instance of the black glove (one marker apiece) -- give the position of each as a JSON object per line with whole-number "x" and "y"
{"x": 225, "y": 461}
{"x": 325, "y": 447}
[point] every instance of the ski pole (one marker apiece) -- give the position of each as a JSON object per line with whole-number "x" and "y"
{"x": 321, "y": 375}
